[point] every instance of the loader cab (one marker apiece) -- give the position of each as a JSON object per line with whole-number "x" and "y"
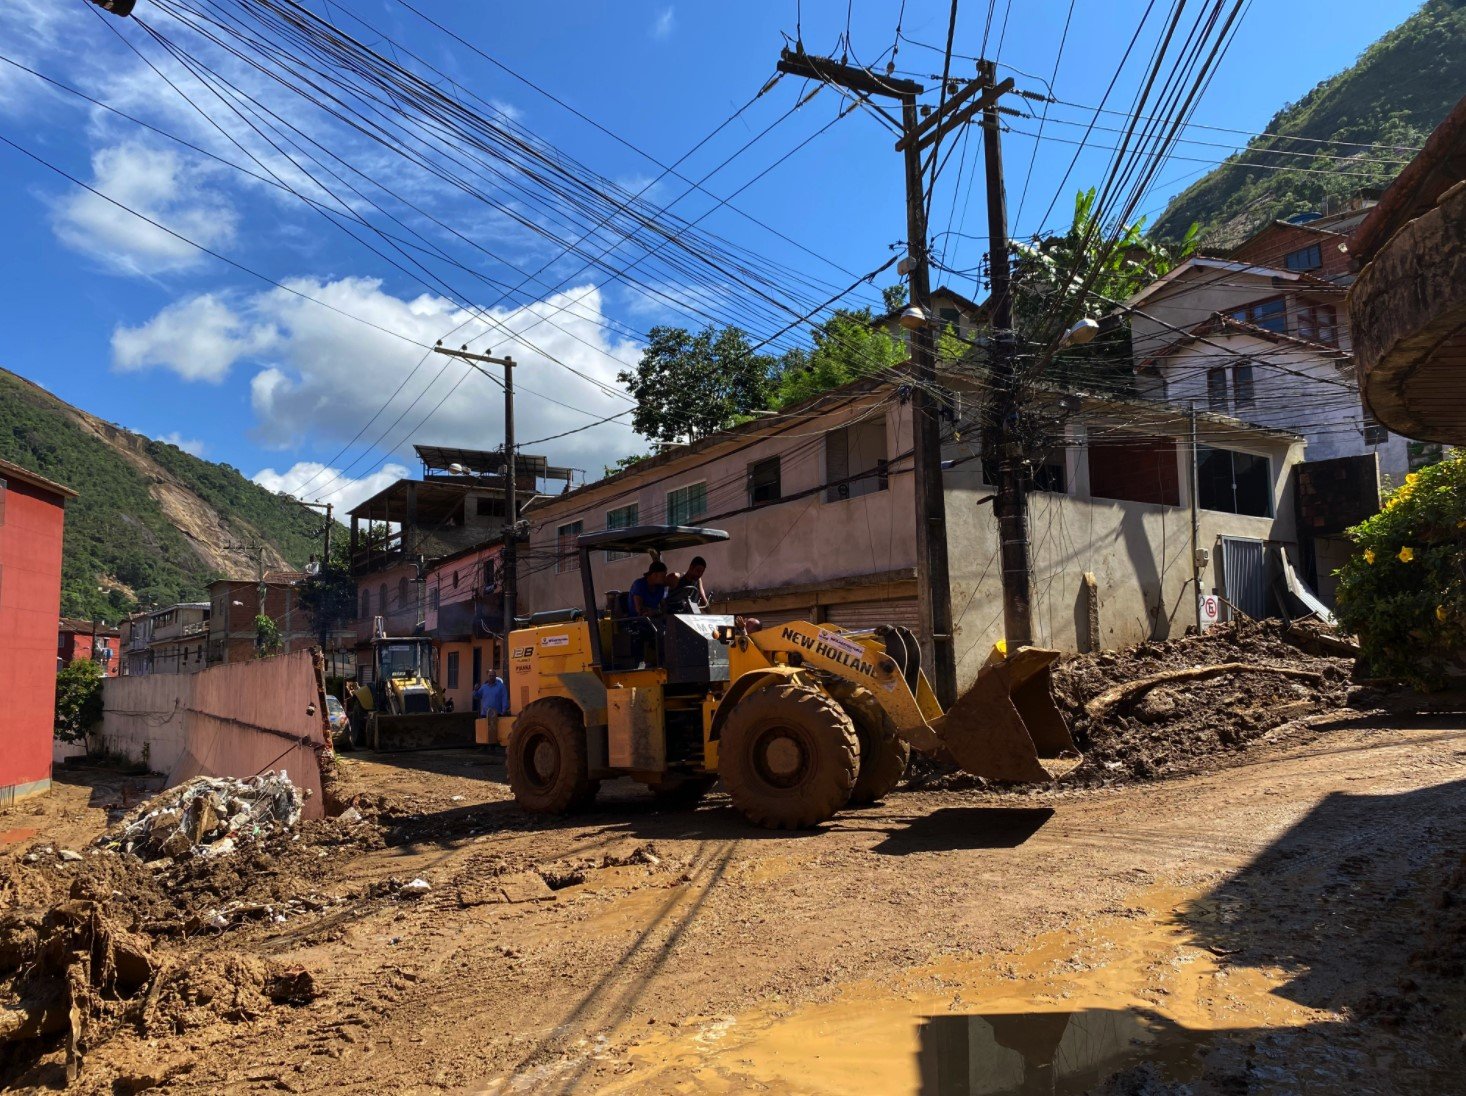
{"x": 681, "y": 640}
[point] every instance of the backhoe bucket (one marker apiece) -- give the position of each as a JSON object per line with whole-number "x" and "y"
{"x": 420, "y": 731}
{"x": 1006, "y": 727}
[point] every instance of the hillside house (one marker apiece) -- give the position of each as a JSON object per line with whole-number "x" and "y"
{"x": 951, "y": 311}
{"x": 820, "y": 508}
{"x": 32, "y": 518}
{"x": 89, "y": 640}
{"x": 234, "y": 605}
{"x": 465, "y": 614}
{"x": 454, "y": 513}
{"x": 171, "y": 640}
{"x": 1268, "y": 345}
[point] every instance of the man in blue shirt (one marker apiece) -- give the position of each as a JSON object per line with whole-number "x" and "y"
{"x": 648, "y": 592}
{"x": 490, "y": 701}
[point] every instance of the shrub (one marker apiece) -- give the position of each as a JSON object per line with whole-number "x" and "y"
{"x": 1403, "y": 592}
{"x": 78, "y": 699}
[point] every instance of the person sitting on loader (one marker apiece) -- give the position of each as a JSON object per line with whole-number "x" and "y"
{"x": 649, "y": 591}
{"x": 687, "y": 588}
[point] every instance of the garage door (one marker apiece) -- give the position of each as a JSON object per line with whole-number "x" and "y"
{"x": 770, "y": 617}
{"x": 872, "y": 614}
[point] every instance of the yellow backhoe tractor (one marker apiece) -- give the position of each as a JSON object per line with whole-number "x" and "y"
{"x": 402, "y": 707}
{"x": 798, "y": 719}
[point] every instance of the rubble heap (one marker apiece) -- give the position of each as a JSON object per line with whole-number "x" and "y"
{"x": 206, "y": 816}
{"x": 1165, "y": 707}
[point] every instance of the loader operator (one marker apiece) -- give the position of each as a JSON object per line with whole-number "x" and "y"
{"x": 649, "y": 591}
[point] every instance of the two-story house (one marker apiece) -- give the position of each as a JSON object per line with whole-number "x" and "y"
{"x": 820, "y": 509}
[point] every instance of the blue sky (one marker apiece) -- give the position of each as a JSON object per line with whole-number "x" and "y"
{"x": 141, "y": 328}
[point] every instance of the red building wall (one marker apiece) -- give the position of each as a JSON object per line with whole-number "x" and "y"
{"x": 31, "y": 520}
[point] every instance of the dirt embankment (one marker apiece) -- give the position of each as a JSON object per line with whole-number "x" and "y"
{"x": 1158, "y": 709}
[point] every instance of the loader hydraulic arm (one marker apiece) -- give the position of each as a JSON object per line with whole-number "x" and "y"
{"x": 1005, "y": 727}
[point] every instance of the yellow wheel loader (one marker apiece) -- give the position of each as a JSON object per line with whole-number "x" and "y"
{"x": 797, "y": 719}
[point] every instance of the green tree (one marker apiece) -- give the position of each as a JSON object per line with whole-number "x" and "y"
{"x": 1068, "y": 276}
{"x": 78, "y": 699}
{"x": 690, "y": 385}
{"x": 330, "y": 594}
{"x": 846, "y": 347}
{"x": 1403, "y": 592}
{"x": 267, "y": 636}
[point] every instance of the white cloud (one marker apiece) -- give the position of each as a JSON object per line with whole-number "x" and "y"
{"x": 322, "y": 375}
{"x": 192, "y": 446}
{"x": 158, "y": 184}
{"x": 198, "y": 338}
{"x": 662, "y": 25}
{"x": 314, "y": 482}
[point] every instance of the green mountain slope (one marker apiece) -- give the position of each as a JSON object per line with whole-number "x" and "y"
{"x": 152, "y": 523}
{"x": 1394, "y": 95}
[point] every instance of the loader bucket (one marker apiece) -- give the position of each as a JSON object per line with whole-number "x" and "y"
{"x": 1006, "y": 727}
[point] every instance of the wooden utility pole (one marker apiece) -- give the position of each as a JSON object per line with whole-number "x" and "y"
{"x": 933, "y": 585}
{"x": 1005, "y": 429}
{"x": 510, "y": 556}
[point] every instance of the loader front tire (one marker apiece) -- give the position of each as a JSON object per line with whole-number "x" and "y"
{"x": 547, "y": 759}
{"x": 789, "y": 756}
{"x": 883, "y": 759}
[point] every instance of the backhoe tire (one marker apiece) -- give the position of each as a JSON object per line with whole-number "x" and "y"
{"x": 680, "y": 793}
{"x": 789, "y": 756}
{"x": 546, "y": 759}
{"x": 883, "y": 759}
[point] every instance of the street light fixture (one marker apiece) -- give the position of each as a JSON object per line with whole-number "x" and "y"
{"x": 1081, "y": 333}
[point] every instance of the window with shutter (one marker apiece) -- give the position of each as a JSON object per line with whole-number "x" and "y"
{"x": 567, "y": 557}
{"x": 686, "y": 505}
{"x": 623, "y": 517}
{"x": 855, "y": 460}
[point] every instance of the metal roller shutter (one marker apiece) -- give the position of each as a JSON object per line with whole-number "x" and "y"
{"x": 783, "y": 616}
{"x": 871, "y": 614}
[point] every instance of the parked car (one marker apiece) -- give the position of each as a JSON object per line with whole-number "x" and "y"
{"x": 336, "y": 717}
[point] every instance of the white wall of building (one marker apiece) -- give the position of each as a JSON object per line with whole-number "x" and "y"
{"x": 1293, "y": 389}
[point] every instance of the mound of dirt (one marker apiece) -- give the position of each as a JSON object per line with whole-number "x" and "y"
{"x": 1162, "y": 708}
{"x": 89, "y": 944}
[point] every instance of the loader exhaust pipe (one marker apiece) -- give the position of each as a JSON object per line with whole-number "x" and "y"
{"x": 1006, "y": 727}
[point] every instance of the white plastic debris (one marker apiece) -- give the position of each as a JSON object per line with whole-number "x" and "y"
{"x": 207, "y": 816}
{"x": 69, "y": 855}
{"x": 416, "y": 888}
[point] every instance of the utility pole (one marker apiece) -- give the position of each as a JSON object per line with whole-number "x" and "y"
{"x": 934, "y": 589}
{"x": 510, "y": 556}
{"x": 1006, "y": 427}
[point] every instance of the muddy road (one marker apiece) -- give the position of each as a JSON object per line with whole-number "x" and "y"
{"x": 1292, "y": 922}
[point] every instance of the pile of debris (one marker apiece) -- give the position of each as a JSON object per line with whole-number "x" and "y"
{"x": 207, "y": 816}
{"x": 1161, "y": 708}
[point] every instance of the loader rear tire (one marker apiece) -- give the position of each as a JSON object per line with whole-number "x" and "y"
{"x": 789, "y": 755}
{"x": 883, "y": 759}
{"x": 547, "y": 759}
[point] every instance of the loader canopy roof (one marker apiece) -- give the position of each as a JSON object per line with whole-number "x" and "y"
{"x": 640, "y": 538}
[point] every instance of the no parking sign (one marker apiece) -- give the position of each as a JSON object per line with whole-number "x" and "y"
{"x": 1211, "y": 610}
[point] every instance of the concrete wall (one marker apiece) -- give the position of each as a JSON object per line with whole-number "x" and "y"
{"x": 1295, "y": 390}
{"x": 233, "y": 720}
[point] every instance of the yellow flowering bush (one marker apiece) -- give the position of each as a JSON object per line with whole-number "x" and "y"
{"x": 1404, "y": 591}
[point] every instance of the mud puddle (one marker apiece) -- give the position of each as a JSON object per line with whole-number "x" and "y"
{"x": 1079, "y": 1007}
